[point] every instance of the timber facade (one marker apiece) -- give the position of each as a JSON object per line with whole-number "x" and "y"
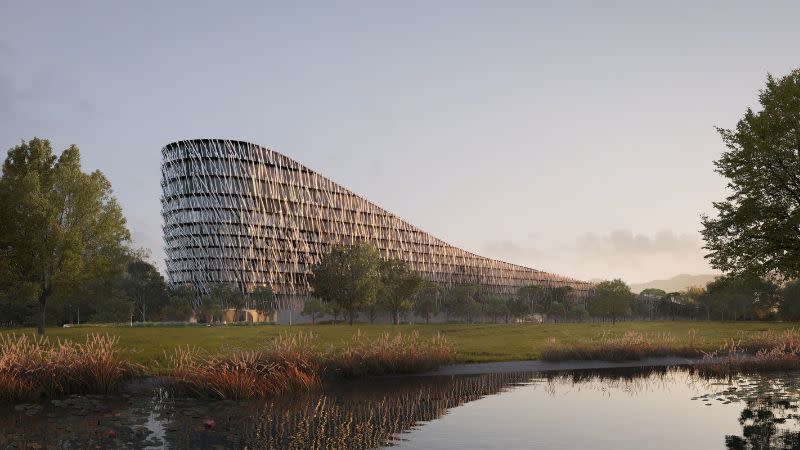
{"x": 235, "y": 212}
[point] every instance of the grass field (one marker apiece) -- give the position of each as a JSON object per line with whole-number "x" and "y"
{"x": 473, "y": 343}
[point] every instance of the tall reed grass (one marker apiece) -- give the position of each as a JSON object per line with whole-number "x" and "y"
{"x": 762, "y": 352}
{"x": 630, "y": 346}
{"x": 31, "y": 367}
{"x": 398, "y": 354}
{"x": 287, "y": 364}
{"x": 295, "y": 363}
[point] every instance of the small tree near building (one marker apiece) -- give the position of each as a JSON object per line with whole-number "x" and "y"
{"x": 314, "y": 309}
{"x": 612, "y": 299}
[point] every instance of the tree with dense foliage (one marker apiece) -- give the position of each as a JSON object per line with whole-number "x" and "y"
{"x": 348, "y": 276}
{"x": 314, "y": 309}
{"x": 519, "y": 308}
{"x": 59, "y": 226}
{"x": 790, "y": 306}
{"x": 746, "y": 297}
{"x": 532, "y": 295}
{"x": 262, "y": 299}
{"x": 611, "y": 299}
{"x": 460, "y": 301}
{"x": 145, "y": 287}
{"x": 497, "y": 307}
{"x": 426, "y": 302}
{"x": 757, "y": 228}
{"x": 180, "y": 305}
{"x": 399, "y": 285}
{"x": 220, "y": 297}
{"x": 578, "y": 313}
{"x": 556, "y": 312}
{"x": 561, "y": 294}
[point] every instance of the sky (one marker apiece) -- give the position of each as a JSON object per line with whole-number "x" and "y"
{"x": 573, "y": 137}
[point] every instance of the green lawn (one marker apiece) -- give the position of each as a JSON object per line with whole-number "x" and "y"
{"x": 472, "y": 342}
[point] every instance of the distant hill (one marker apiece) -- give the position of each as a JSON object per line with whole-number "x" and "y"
{"x": 676, "y": 283}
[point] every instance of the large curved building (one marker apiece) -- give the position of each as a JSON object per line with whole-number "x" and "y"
{"x": 236, "y": 212}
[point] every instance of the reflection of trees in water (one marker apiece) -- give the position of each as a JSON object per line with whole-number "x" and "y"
{"x": 362, "y": 415}
{"x": 770, "y": 417}
{"x": 765, "y": 425}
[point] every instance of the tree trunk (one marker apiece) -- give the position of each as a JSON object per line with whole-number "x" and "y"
{"x": 396, "y": 317}
{"x": 428, "y": 319}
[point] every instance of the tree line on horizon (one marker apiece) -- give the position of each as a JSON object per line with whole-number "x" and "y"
{"x": 65, "y": 247}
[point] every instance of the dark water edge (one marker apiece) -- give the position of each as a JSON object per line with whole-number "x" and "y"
{"x": 398, "y": 411}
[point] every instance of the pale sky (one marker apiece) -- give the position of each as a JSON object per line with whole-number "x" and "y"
{"x": 572, "y": 137}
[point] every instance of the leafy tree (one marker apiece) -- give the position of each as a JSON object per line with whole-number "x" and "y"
{"x": 561, "y": 294}
{"x": 313, "y": 308}
{"x": 747, "y": 297}
{"x": 348, "y": 276}
{"x": 210, "y": 309}
{"x": 556, "y": 311}
{"x": 221, "y": 296}
{"x": 645, "y": 303}
{"x": 262, "y": 299}
{"x": 144, "y": 285}
{"x": 533, "y": 296}
{"x": 399, "y": 286}
{"x": 459, "y": 301}
{"x": 59, "y": 227}
{"x": 496, "y": 307}
{"x": 469, "y": 310}
{"x": 333, "y": 310}
{"x": 611, "y": 299}
{"x": 578, "y": 313}
{"x": 518, "y": 308}
{"x": 426, "y": 302}
{"x": 114, "y": 309}
{"x": 373, "y": 310}
{"x": 790, "y": 307}
{"x": 180, "y": 303}
{"x": 757, "y": 228}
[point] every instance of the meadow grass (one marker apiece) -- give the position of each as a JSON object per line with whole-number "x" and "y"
{"x": 471, "y": 343}
{"x": 248, "y": 362}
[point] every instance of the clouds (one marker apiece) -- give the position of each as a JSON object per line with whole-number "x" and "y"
{"x": 508, "y": 250}
{"x": 632, "y": 256}
{"x": 624, "y": 243}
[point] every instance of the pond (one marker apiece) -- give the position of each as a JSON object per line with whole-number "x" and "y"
{"x": 664, "y": 409}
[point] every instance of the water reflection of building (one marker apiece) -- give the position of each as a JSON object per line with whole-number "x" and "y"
{"x": 363, "y": 415}
{"x": 235, "y": 212}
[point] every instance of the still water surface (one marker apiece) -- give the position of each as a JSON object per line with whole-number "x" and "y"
{"x": 602, "y": 410}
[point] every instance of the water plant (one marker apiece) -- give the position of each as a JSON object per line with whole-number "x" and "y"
{"x": 286, "y": 364}
{"x": 630, "y": 346}
{"x": 31, "y": 367}
{"x": 398, "y": 354}
{"x": 295, "y": 363}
